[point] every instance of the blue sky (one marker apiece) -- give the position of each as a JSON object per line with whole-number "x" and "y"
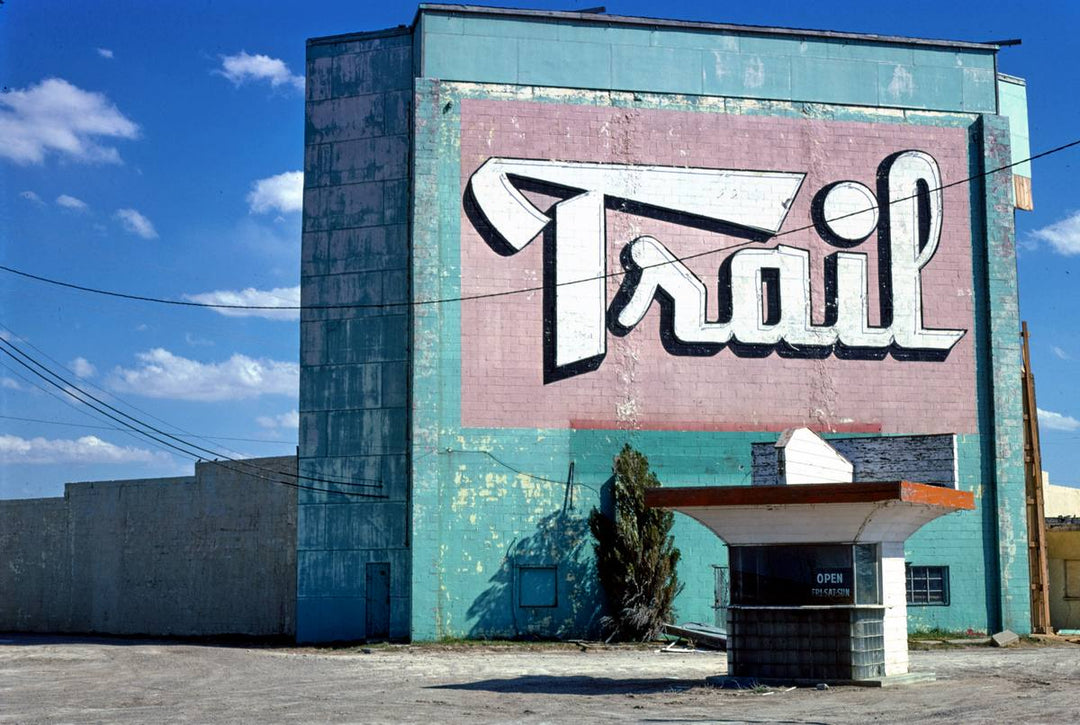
{"x": 156, "y": 148}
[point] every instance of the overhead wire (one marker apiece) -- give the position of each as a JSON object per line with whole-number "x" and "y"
{"x": 217, "y": 454}
{"x": 121, "y": 430}
{"x": 505, "y": 293}
{"x": 65, "y": 400}
{"x": 386, "y": 305}
{"x": 68, "y": 386}
{"x": 113, "y": 396}
{"x": 533, "y": 476}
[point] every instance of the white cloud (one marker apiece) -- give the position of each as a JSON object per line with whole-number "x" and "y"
{"x": 10, "y": 384}
{"x": 32, "y": 198}
{"x": 284, "y": 420}
{"x": 196, "y": 341}
{"x": 70, "y": 202}
{"x": 105, "y": 53}
{"x": 1061, "y": 353}
{"x": 136, "y": 223}
{"x": 1063, "y": 236}
{"x": 242, "y": 68}
{"x": 1057, "y": 421}
{"x": 161, "y": 374}
{"x": 82, "y": 367}
{"x": 56, "y": 117}
{"x": 277, "y": 297}
{"x": 88, "y": 449}
{"x": 284, "y": 192}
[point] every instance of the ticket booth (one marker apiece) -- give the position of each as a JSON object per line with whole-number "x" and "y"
{"x": 816, "y": 569}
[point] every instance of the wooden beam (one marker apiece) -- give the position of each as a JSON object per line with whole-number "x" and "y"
{"x": 1038, "y": 570}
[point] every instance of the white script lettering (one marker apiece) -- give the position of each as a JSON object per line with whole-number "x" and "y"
{"x": 764, "y": 293}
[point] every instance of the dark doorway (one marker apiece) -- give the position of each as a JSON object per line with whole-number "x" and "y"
{"x": 378, "y": 601}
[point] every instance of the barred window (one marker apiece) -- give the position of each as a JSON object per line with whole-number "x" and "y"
{"x": 928, "y": 585}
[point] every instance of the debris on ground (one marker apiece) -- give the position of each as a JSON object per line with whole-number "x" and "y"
{"x": 701, "y": 636}
{"x": 1005, "y": 638}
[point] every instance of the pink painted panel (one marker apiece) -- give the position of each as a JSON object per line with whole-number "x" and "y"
{"x": 639, "y": 384}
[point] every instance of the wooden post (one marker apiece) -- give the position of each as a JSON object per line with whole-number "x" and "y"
{"x": 1036, "y": 520}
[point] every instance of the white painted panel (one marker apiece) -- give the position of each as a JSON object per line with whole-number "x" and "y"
{"x": 580, "y": 283}
{"x": 807, "y": 458}
{"x": 756, "y": 200}
{"x": 894, "y": 597}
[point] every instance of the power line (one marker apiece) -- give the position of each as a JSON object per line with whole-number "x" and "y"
{"x": 161, "y": 443}
{"x": 371, "y": 483}
{"x": 121, "y": 430}
{"x": 68, "y": 387}
{"x": 62, "y": 399}
{"x": 505, "y": 293}
{"x": 105, "y": 392}
{"x": 526, "y": 474}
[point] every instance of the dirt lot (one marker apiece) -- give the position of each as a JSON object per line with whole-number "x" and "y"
{"x": 97, "y": 680}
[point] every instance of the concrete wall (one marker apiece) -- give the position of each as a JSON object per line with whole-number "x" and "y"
{"x": 35, "y": 565}
{"x": 204, "y": 555}
{"x": 354, "y": 359}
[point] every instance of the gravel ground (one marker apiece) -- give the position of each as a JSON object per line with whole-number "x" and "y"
{"x": 52, "y": 679}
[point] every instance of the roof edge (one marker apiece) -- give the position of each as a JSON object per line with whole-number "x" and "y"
{"x": 809, "y": 494}
{"x": 697, "y": 25}
{"x": 363, "y": 35}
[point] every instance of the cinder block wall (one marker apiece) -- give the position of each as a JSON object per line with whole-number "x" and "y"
{"x": 353, "y": 353}
{"x": 205, "y": 555}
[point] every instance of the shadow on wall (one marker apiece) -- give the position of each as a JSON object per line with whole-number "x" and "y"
{"x": 546, "y": 586}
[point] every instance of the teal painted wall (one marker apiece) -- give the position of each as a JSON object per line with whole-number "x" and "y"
{"x": 354, "y": 360}
{"x": 575, "y": 54}
{"x": 1012, "y": 102}
{"x": 472, "y": 512}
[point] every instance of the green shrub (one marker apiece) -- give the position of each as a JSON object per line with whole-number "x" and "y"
{"x": 635, "y": 554}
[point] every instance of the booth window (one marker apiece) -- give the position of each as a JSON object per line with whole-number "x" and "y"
{"x": 806, "y": 574}
{"x": 538, "y": 586}
{"x": 928, "y": 585}
{"x": 1072, "y": 578}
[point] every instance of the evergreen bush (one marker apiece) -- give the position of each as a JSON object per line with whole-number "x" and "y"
{"x": 636, "y": 556}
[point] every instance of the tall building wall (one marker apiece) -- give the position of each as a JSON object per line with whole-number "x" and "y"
{"x": 353, "y": 353}
{"x": 550, "y": 149}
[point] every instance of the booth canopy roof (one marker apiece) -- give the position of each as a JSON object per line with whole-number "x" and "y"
{"x": 813, "y": 513}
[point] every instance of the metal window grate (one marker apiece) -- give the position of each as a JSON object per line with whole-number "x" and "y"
{"x": 928, "y": 585}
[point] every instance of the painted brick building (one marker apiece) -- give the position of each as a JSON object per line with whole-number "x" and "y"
{"x": 530, "y": 238}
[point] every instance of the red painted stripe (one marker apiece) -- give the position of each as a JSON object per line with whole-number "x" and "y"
{"x": 706, "y": 427}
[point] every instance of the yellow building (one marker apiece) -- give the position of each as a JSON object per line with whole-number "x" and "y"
{"x": 1061, "y": 505}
